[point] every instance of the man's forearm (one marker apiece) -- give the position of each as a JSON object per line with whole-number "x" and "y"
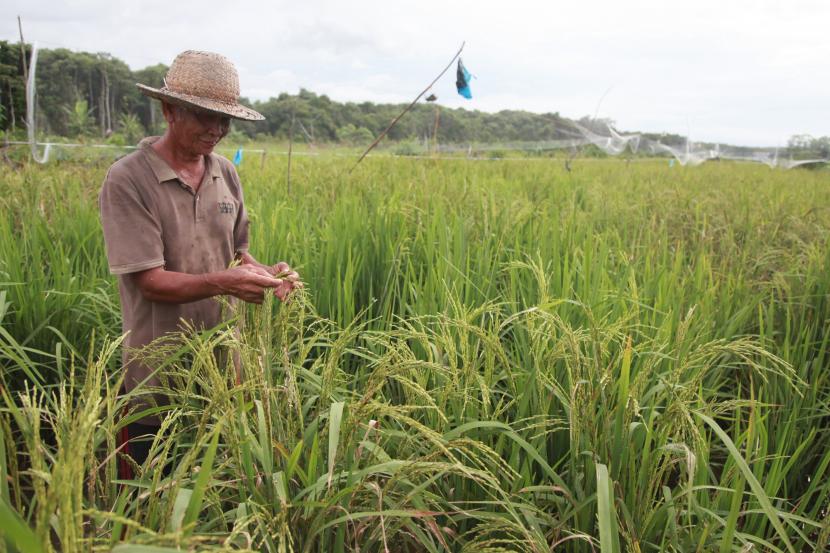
{"x": 245, "y": 282}
{"x": 174, "y": 287}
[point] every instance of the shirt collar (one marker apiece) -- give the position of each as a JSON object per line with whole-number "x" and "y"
{"x": 213, "y": 165}
{"x": 160, "y": 167}
{"x": 163, "y": 171}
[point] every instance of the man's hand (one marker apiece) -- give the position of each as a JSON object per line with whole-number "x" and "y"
{"x": 246, "y": 282}
{"x": 289, "y": 278}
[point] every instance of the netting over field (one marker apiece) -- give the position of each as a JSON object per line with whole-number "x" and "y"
{"x": 611, "y": 142}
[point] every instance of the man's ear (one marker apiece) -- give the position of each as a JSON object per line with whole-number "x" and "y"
{"x": 169, "y": 111}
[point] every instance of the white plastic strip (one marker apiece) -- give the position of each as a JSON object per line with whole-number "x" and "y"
{"x": 30, "y": 110}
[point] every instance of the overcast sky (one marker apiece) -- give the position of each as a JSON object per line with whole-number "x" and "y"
{"x": 736, "y": 71}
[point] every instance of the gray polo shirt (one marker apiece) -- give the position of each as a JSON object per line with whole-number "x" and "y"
{"x": 153, "y": 219}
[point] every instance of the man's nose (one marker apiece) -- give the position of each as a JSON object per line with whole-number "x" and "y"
{"x": 216, "y": 124}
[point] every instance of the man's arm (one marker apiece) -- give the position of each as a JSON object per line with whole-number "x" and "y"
{"x": 246, "y": 282}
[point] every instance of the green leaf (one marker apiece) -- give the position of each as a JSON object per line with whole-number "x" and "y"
{"x": 521, "y": 442}
{"x": 282, "y": 487}
{"x": 671, "y": 514}
{"x": 14, "y": 529}
{"x": 291, "y": 464}
{"x": 609, "y": 535}
{"x": 4, "y": 471}
{"x": 756, "y": 486}
{"x": 265, "y": 447}
{"x": 335, "y": 419}
{"x": 179, "y": 507}
{"x": 137, "y": 548}
{"x": 202, "y": 481}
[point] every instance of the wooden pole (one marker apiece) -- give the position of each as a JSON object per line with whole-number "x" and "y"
{"x": 409, "y": 107}
{"x": 435, "y": 128}
{"x": 25, "y": 73}
{"x": 288, "y": 176}
{"x": 102, "y": 104}
{"x": 11, "y": 105}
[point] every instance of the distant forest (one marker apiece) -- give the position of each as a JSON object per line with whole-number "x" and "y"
{"x": 93, "y": 96}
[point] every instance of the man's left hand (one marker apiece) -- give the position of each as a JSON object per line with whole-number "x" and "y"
{"x": 290, "y": 280}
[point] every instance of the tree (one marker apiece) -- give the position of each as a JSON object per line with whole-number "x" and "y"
{"x": 79, "y": 118}
{"x": 148, "y": 109}
{"x": 130, "y": 127}
{"x": 806, "y": 146}
{"x": 354, "y": 136}
{"x": 800, "y": 142}
{"x": 12, "y": 87}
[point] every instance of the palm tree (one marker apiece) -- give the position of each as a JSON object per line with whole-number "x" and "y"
{"x": 79, "y": 118}
{"x": 130, "y": 127}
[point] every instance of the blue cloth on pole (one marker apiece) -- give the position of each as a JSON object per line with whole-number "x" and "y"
{"x": 237, "y": 159}
{"x": 462, "y": 80}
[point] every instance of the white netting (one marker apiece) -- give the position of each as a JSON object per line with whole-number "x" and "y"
{"x": 31, "y": 109}
{"x": 613, "y": 143}
{"x": 602, "y": 135}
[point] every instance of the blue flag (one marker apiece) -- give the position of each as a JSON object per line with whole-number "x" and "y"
{"x": 237, "y": 159}
{"x": 462, "y": 80}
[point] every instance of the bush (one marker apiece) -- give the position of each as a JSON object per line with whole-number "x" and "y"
{"x": 408, "y": 148}
{"x": 354, "y": 136}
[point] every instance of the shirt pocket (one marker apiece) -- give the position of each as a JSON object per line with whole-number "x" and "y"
{"x": 221, "y": 210}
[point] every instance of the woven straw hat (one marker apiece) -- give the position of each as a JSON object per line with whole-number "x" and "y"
{"x": 203, "y": 80}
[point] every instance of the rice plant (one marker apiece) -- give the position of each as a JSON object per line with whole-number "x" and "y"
{"x": 489, "y": 356}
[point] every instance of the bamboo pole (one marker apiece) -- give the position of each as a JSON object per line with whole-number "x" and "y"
{"x": 409, "y": 107}
{"x": 290, "y": 141}
{"x": 435, "y": 128}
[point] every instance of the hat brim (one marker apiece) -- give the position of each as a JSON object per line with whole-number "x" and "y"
{"x": 237, "y": 111}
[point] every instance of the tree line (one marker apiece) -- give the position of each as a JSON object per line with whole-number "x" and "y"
{"x": 83, "y": 95}
{"x": 93, "y": 95}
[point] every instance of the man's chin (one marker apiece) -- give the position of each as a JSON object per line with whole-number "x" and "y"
{"x": 206, "y": 148}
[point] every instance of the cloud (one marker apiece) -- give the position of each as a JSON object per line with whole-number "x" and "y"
{"x": 741, "y": 69}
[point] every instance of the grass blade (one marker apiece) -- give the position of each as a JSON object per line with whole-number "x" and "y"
{"x": 194, "y": 506}
{"x": 335, "y": 419}
{"x": 609, "y": 535}
{"x": 756, "y": 486}
{"x": 16, "y": 531}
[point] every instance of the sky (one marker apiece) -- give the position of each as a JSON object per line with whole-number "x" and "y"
{"x": 734, "y": 71}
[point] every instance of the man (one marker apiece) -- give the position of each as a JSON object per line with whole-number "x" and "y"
{"x": 174, "y": 221}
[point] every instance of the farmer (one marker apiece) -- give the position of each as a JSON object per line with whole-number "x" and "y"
{"x": 174, "y": 222}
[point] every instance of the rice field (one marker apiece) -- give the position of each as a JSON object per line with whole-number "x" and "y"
{"x": 488, "y": 356}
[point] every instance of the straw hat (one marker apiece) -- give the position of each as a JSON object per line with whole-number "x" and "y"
{"x": 203, "y": 80}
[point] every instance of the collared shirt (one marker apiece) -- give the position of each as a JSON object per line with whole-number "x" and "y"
{"x": 151, "y": 218}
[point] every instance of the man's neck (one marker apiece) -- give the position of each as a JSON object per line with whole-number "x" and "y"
{"x": 188, "y": 165}
{"x": 177, "y": 157}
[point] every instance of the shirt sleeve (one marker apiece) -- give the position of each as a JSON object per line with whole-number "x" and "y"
{"x": 132, "y": 234}
{"x": 240, "y": 230}
{"x": 240, "y": 227}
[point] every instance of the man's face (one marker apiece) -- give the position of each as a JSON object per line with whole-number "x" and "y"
{"x": 197, "y": 132}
